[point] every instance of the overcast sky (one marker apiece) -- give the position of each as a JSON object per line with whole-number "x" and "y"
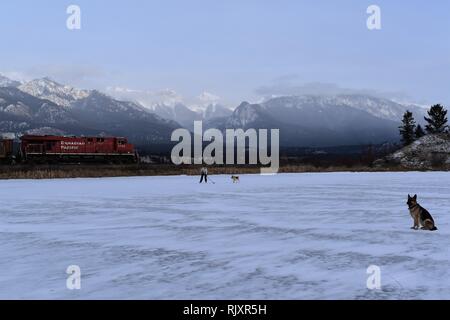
{"x": 233, "y": 49}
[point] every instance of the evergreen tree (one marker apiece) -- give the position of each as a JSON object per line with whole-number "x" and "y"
{"x": 437, "y": 122}
{"x": 419, "y": 133}
{"x": 407, "y": 128}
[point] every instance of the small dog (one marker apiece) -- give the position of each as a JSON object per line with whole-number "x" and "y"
{"x": 420, "y": 215}
{"x": 235, "y": 179}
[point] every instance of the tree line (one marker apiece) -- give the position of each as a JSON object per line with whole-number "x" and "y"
{"x": 436, "y": 123}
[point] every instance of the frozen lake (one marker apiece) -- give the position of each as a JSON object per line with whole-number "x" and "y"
{"x": 290, "y": 236}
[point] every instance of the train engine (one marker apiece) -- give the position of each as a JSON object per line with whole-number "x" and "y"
{"x": 54, "y": 149}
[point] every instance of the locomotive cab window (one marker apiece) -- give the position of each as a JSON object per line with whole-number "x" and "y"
{"x": 100, "y": 140}
{"x": 121, "y": 142}
{"x": 50, "y": 145}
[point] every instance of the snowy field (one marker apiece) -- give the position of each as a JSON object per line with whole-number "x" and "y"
{"x": 290, "y": 236}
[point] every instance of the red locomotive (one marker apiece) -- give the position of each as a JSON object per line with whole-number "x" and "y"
{"x": 80, "y": 149}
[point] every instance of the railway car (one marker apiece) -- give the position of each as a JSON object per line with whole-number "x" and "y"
{"x": 6, "y": 151}
{"x": 54, "y": 149}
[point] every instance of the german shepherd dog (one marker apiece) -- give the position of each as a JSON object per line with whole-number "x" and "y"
{"x": 420, "y": 215}
{"x": 235, "y": 179}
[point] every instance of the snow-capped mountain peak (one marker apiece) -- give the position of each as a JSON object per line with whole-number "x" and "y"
{"x": 6, "y": 82}
{"x": 48, "y": 89}
{"x": 378, "y": 107}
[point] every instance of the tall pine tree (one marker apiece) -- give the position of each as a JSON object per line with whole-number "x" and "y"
{"x": 407, "y": 129}
{"x": 437, "y": 121}
{"x": 419, "y": 133}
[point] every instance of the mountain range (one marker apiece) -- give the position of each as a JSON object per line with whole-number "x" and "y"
{"x": 44, "y": 106}
{"x": 321, "y": 121}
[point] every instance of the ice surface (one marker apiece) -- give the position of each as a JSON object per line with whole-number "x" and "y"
{"x": 290, "y": 236}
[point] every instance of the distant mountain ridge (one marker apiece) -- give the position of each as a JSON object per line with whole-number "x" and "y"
{"x": 322, "y": 121}
{"x": 44, "y": 105}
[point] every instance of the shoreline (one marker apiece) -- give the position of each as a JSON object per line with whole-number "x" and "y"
{"x": 106, "y": 171}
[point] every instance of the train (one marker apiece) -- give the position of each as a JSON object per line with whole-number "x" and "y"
{"x": 60, "y": 149}
{"x": 7, "y": 154}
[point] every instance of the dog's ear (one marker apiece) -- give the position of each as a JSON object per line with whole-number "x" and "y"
{"x": 409, "y": 196}
{"x": 415, "y": 197}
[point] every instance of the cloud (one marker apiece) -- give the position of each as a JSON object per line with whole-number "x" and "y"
{"x": 16, "y": 76}
{"x": 146, "y": 98}
{"x": 284, "y": 86}
{"x": 287, "y": 78}
{"x": 208, "y": 98}
{"x": 315, "y": 88}
{"x": 75, "y": 75}
{"x": 167, "y": 97}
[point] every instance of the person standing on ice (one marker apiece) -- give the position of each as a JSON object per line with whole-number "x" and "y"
{"x": 204, "y": 175}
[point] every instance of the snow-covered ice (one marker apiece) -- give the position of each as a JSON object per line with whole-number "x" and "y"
{"x": 290, "y": 236}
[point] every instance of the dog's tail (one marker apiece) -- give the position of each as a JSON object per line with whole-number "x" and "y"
{"x": 430, "y": 225}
